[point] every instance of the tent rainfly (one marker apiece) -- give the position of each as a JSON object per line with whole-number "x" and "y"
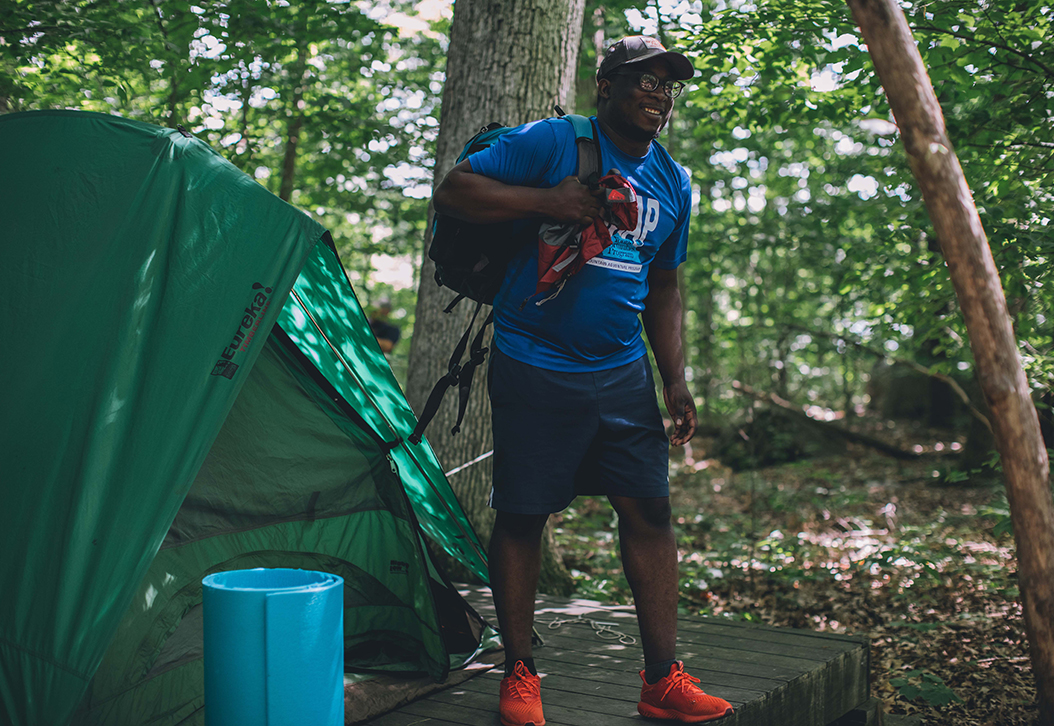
{"x": 190, "y": 386}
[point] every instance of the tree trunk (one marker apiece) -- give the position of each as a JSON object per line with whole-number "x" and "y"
{"x": 509, "y": 62}
{"x": 292, "y": 138}
{"x": 976, "y": 280}
{"x": 704, "y": 364}
{"x": 592, "y": 40}
{"x": 243, "y": 150}
{"x": 296, "y": 124}
{"x": 670, "y": 142}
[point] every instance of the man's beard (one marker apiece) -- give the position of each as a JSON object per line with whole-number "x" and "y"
{"x": 638, "y": 134}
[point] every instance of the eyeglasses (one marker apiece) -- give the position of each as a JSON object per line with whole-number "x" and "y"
{"x": 649, "y": 82}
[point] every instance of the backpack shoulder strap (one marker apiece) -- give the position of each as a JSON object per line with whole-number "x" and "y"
{"x": 583, "y": 126}
{"x": 588, "y": 145}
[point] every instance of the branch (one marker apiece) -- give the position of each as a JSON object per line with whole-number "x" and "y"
{"x": 1013, "y": 145}
{"x": 798, "y": 413}
{"x": 952, "y": 383}
{"x": 160, "y": 18}
{"x": 962, "y": 36}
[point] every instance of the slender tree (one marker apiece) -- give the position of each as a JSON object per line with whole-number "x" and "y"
{"x": 977, "y": 286}
{"x": 508, "y": 62}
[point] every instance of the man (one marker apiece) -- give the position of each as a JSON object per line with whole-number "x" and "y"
{"x": 570, "y": 383}
{"x": 386, "y": 333}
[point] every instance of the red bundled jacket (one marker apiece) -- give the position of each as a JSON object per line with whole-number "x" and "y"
{"x": 564, "y": 248}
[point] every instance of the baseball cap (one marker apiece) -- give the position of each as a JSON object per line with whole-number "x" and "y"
{"x": 638, "y": 48}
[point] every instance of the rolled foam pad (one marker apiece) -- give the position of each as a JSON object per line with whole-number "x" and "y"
{"x": 274, "y": 648}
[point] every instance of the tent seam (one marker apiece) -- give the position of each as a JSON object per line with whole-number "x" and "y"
{"x": 298, "y": 518}
{"x": 45, "y": 658}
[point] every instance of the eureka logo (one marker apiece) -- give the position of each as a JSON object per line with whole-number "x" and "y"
{"x": 244, "y": 333}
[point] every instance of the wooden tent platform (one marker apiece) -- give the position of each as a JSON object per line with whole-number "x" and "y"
{"x": 772, "y": 676}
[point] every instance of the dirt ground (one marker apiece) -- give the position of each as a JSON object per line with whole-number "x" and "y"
{"x": 858, "y": 543}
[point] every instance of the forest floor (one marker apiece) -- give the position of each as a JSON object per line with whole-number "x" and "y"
{"x": 859, "y": 543}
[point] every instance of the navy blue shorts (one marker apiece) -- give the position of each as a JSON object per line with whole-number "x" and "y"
{"x": 558, "y": 435}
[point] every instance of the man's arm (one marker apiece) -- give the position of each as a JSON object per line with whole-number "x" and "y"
{"x": 463, "y": 194}
{"x": 662, "y": 322}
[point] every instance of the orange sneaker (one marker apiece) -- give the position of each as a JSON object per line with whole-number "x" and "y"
{"x": 520, "y": 698}
{"x": 677, "y": 697}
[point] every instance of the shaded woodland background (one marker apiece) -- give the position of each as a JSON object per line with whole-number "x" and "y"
{"x": 817, "y": 302}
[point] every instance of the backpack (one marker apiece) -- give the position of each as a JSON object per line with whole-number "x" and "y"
{"x": 469, "y": 262}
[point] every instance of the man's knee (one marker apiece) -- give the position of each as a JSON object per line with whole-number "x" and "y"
{"x": 520, "y": 526}
{"x": 652, "y": 512}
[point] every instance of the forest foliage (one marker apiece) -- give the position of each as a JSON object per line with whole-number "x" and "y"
{"x": 812, "y": 264}
{"x": 811, "y": 254}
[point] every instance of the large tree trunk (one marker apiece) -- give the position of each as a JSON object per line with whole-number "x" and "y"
{"x": 509, "y": 62}
{"x": 980, "y": 294}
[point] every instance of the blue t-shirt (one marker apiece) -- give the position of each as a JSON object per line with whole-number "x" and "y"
{"x": 593, "y": 323}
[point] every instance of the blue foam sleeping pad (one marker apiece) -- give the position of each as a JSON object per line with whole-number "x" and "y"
{"x": 274, "y": 648}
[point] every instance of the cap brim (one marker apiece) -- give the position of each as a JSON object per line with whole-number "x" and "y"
{"x": 682, "y": 67}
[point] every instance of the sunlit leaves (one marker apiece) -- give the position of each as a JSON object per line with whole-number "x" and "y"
{"x": 358, "y": 96}
{"x": 808, "y": 215}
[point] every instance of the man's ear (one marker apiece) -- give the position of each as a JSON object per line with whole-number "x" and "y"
{"x": 604, "y": 88}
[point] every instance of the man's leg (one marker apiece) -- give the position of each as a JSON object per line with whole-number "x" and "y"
{"x": 649, "y": 559}
{"x": 515, "y": 561}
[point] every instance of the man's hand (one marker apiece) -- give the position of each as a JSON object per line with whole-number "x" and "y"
{"x": 475, "y": 198}
{"x": 573, "y": 201}
{"x": 682, "y": 410}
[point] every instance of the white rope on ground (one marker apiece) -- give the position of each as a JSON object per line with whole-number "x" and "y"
{"x": 604, "y": 631}
{"x": 467, "y": 464}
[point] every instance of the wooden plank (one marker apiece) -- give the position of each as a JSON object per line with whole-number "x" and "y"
{"x": 695, "y": 644}
{"x": 574, "y": 694}
{"x": 793, "y": 645}
{"x": 772, "y": 676}
{"x": 866, "y": 714}
{"x": 712, "y": 681}
{"x": 551, "y": 698}
{"x": 607, "y": 668}
{"x": 400, "y": 718}
{"x": 741, "y": 662}
{"x": 481, "y": 600}
{"x": 815, "y": 699}
{"x": 485, "y": 705}
{"x": 617, "y": 684}
{"x": 754, "y": 631}
{"x": 554, "y": 679}
{"x": 759, "y": 627}
{"x": 702, "y": 669}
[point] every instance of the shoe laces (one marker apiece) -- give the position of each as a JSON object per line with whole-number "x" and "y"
{"x": 683, "y": 682}
{"x": 522, "y": 685}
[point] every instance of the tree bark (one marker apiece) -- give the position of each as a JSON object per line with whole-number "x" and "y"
{"x": 976, "y": 280}
{"x": 509, "y": 62}
{"x": 296, "y": 124}
{"x": 292, "y": 139}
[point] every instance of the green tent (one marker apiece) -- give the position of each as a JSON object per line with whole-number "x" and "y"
{"x": 190, "y": 386}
